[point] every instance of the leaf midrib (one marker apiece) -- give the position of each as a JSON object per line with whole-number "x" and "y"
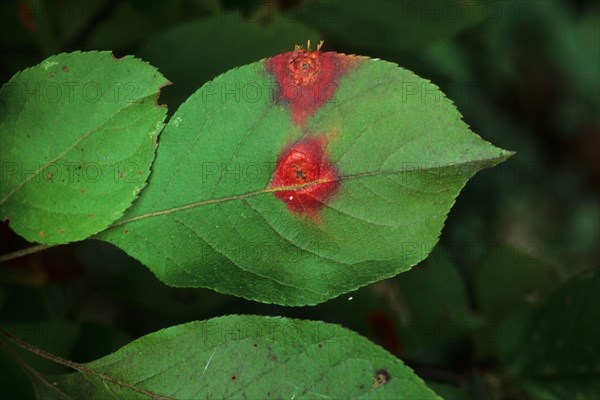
{"x": 244, "y": 196}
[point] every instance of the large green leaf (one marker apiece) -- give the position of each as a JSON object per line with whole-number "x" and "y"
{"x": 78, "y": 134}
{"x": 209, "y": 216}
{"x": 248, "y": 357}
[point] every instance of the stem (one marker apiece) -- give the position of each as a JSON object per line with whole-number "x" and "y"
{"x": 77, "y": 366}
{"x": 31, "y": 371}
{"x": 24, "y": 252}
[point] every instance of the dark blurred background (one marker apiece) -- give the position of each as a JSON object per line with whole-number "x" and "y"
{"x": 525, "y": 75}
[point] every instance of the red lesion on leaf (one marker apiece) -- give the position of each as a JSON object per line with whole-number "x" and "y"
{"x": 304, "y": 178}
{"x": 307, "y": 79}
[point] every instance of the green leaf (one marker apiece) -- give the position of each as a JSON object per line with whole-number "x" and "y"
{"x": 125, "y": 27}
{"x": 510, "y": 279}
{"x": 209, "y": 218}
{"x": 562, "y": 353}
{"x": 435, "y": 304}
{"x": 78, "y": 134}
{"x": 250, "y": 357}
{"x": 214, "y": 45}
{"x": 508, "y": 284}
{"x": 391, "y": 25}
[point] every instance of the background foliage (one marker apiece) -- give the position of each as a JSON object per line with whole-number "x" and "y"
{"x": 501, "y": 310}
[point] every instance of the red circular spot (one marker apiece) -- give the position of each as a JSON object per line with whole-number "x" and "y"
{"x": 305, "y": 179}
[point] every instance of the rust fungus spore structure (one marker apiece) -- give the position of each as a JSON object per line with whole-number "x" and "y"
{"x": 304, "y": 178}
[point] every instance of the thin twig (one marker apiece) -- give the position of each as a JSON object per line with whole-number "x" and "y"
{"x": 32, "y": 371}
{"x": 24, "y": 252}
{"x": 77, "y": 366}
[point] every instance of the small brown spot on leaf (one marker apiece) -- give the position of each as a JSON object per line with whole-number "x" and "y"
{"x": 90, "y": 216}
{"x": 320, "y": 345}
{"x": 49, "y": 176}
{"x": 254, "y": 345}
{"x": 381, "y": 378}
{"x": 42, "y": 233}
{"x": 61, "y": 231}
{"x": 81, "y": 190}
{"x": 121, "y": 174}
{"x": 139, "y": 172}
{"x": 65, "y": 68}
{"x": 126, "y": 231}
{"x": 233, "y": 378}
{"x": 52, "y": 74}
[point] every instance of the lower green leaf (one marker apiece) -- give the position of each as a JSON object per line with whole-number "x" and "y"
{"x": 248, "y": 357}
